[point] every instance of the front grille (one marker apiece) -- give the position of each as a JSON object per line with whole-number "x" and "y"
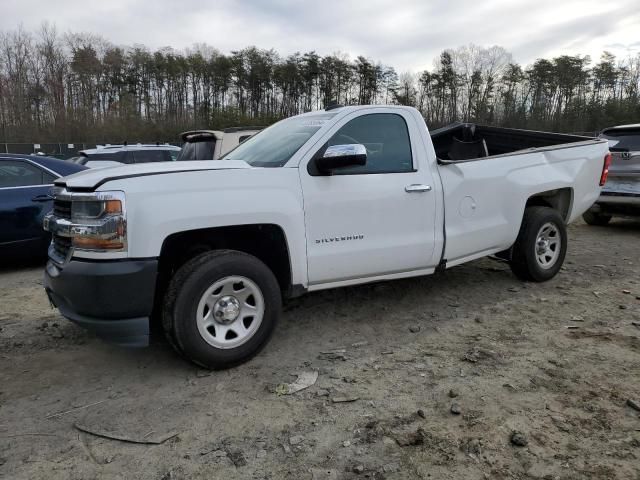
{"x": 62, "y": 209}
{"x": 60, "y": 247}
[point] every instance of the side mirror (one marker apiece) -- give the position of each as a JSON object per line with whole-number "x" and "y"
{"x": 341, "y": 156}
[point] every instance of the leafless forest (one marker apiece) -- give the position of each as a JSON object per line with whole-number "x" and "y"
{"x": 64, "y": 87}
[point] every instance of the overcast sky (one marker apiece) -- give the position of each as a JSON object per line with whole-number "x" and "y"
{"x": 406, "y": 34}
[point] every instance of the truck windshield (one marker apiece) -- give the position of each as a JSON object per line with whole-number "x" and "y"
{"x": 274, "y": 146}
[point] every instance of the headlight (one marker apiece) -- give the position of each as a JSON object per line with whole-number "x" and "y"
{"x": 87, "y": 210}
{"x": 86, "y": 222}
{"x": 91, "y": 221}
{"x": 99, "y": 223}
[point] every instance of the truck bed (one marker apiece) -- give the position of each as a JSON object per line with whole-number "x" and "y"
{"x": 468, "y": 141}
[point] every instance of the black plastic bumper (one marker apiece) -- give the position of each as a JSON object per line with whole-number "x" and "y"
{"x": 113, "y": 299}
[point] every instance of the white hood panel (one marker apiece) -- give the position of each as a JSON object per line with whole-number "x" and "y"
{"x": 92, "y": 177}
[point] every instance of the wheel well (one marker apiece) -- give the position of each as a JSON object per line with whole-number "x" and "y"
{"x": 264, "y": 241}
{"x": 559, "y": 199}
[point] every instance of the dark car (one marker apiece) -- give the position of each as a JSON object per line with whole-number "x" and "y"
{"x": 25, "y": 182}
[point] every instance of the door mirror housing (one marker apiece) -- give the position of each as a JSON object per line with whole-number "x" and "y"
{"x": 341, "y": 156}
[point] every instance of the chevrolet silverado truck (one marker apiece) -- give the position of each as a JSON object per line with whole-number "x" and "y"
{"x": 620, "y": 196}
{"x": 339, "y": 197}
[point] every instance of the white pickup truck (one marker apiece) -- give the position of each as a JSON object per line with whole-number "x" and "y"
{"x": 331, "y": 198}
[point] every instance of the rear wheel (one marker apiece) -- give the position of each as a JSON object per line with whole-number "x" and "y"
{"x": 221, "y": 308}
{"x": 593, "y": 218}
{"x": 541, "y": 246}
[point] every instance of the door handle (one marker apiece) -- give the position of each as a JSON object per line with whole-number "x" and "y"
{"x": 42, "y": 198}
{"x": 417, "y": 188}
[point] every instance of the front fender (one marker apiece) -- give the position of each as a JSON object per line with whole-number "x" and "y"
{"x": 160, "y": 206}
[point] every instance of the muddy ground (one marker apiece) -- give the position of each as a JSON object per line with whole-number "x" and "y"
{"x": 554, "y": 362}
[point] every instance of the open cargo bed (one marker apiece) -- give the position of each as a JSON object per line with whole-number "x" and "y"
{"x": 468, "y": 141}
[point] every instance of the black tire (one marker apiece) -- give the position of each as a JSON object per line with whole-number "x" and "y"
{"x": 593, "y": 218}
{"x": 524, "y": 260}
{"x": 187, "y": 287}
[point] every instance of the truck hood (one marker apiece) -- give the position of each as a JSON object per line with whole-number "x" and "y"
{"x": 94, "y": 177}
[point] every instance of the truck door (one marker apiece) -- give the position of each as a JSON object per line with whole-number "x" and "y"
{"x": 375, "y": 219}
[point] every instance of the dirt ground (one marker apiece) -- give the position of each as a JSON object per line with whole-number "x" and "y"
{"x": 539, "y": 373}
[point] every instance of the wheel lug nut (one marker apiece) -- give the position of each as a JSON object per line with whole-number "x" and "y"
{"x": 223, "y": 303}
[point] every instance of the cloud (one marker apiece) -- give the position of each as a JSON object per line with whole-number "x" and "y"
{"x": 407, "y": 34}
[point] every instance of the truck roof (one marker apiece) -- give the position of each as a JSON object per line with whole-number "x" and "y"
{"x": 340, "y": 109}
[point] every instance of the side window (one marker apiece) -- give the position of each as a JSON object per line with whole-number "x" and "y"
{"x": 148, "y": 156}
{"x": 108, "y": 157}
{"x": 127, "y": 157}
{"x": 20, "y": 174}
{"x": 386, "y": 138}
{"x": 173, "y": 155}
{"x": 47, "y": 178}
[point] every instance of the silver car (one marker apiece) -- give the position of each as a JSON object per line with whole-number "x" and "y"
{"x": 621, "y": 193}
{"x": 116, "y": 155}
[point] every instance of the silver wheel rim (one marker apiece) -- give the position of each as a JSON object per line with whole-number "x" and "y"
{"x": 547, "y": 247}
{"x": 230, "y": 312}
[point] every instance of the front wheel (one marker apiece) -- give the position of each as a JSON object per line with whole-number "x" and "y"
{"x": 221, "y": 308}
{"x": 541, "y": 246}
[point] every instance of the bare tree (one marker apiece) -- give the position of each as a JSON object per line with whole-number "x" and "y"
{"x": 79, "y": 86}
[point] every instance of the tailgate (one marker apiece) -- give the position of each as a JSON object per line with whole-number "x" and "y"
{"x": 624, "y": 172}
{"x": 625, "y": 163}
